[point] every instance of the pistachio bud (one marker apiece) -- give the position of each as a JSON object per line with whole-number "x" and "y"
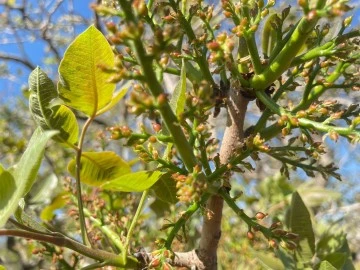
{"x": 250, "y": 235}
{"x": 273, "y": 243}
{"x": 260, "y": 215}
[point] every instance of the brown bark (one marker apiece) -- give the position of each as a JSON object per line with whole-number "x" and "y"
{"x": 233, "y": 135}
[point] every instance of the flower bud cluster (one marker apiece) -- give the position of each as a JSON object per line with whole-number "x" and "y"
{"x": 190, "y": 187}
{"x": 257, "y": 142}
{"x": 119, "y": 132}
{"x": 159, "y": 259}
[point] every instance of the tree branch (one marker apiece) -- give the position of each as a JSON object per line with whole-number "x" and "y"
{"x": 233, "y": 135}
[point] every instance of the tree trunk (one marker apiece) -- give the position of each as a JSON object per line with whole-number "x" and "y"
{"x": 233, "y": 135}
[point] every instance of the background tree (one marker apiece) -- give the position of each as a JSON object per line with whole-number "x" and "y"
{"x": 300, "y": 64}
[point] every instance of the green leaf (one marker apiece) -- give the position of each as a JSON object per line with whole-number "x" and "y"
{"x": 99, "y": 167}
{"x": 325, "y": 265}
{"x": 83, "y": 85}
{"x": 23, "y": 218}
{"x": 58, "y": 202}
{"x": 7, "y": 190}
{"x": 177, "y": 102}
{"x": 115, "y": 99}
{"x": 2, "y": 267}
{"x": 134, "y": 182}
{"x": 337, "y": 259}
{"x": 300, "y": 223}
{"x": 160, "y": 207}
{"x": 193, "y": 73}
{"x": 56, "y": 117}
{"x": 165, "y": 189}
{"x": 15, "y": 185}
{"x": 268, "y": 261}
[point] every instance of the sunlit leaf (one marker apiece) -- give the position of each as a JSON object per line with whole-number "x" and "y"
{"x": 178, "y": 98}
{"x": 83, "y": 85}
{"x": 325, "y": 265}
{"x": 47, "y": 116}
{"x": 115, "y": 99}
{"x": 15, "y": 185}
{"x": 58, "y": 202}
{"x": 8, "y": 201}
{"x": 134, "y": 182}
{"x": 268, "y": 261}
{"x": 300, "y": 223}
{"x": 98, "y": 168}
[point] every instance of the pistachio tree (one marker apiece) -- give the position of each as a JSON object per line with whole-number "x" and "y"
{"x": 283, "y": 65}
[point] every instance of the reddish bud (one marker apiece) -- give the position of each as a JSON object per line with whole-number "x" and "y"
{"x": 260, "y": 215}
{"x": 111, "y": 27}
{"x": 250, "y": 235}
{"x": 273, "y": 243}
{"x": 156, "y": 127}
{"x": 213, "y": 46}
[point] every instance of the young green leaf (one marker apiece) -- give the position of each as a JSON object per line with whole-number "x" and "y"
{"x": 325, "y": 265}
{"x": 7, "y": 190}
{"x": 98, "y": 168}
{"x": 115, "y": 99}
{"x": 56, "y": 117}
{"x": 177, "y": 101}
{"x": 300, "y": 223}
{"x": 16, "y": 183}
{"x": 83, "y": 85}
{"x": 58, "y": 202}
{"x": 134, "y": 182}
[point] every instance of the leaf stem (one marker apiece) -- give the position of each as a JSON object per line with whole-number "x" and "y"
{"x": 134, "y": 221}
{"x": 84, "y": 234}
{"x": 61, "y": 241}
{"x": 182, "y": 220}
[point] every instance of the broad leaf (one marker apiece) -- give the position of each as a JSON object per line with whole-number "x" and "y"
{"x": 165, "y": 189}
{"x": 300, "y": 223}
{"x": 178, "y": 98}
{"x": 325, "y": 265}
{"x": 337, "y": 259}
{"x": 8, "y": 188}
{"x": 27, "y": 220}
{"x": 15, "y": 185}
{"x": 268, "y": 260}
{"x": 83, "y": 85}
{"x": 58, "y": 202}
{"x": 56, "y": 117}
{"x": 115, "y": 99}
{"x": 98, "y": 168}
{"x": 134, "y": 182}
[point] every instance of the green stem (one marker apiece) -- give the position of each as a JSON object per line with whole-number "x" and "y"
{"x": 267, "y": 113}
{"x": 171, "y": 121}
{"x": 106, "y": 231}
{"x": 84, "y": 234}
{"x": 240, "y": 213}
{"x": 283, "y": 60}
{"x": 303, "y": 122}
{"x": 61, "y": 241}
{"x": 317, "y": 91}
{"x": 182, "y": 220}
{"x": 135, "y": 220}
{"x": 253, "y": 52}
